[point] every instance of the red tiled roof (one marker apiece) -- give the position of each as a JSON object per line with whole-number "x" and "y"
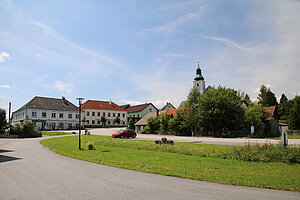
{"x": 174, "y": 111}
{"x": 138, "y": 108}
{"x": 270, "y": 111}
{"x": 101, "y": 105}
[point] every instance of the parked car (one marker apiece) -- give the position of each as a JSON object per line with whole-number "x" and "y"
{"x": 124, "y": 133}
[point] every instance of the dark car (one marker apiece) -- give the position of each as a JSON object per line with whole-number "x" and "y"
{"x": 124, "y": 133}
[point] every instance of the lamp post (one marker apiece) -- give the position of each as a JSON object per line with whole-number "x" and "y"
{"x": 79, "y": 140}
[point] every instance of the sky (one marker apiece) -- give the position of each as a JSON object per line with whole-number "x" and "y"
{"x": 137, "y": 51}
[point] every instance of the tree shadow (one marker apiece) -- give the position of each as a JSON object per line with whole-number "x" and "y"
{"x": 4, "y": 158}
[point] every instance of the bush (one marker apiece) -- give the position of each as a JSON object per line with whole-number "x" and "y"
{"x": 90, "y": 145}
{"x": 24, "y": 129}
{"x": 266, "y": 153}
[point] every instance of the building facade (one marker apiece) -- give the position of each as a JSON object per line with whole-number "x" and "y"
{"x": 140, "y": 111}
{"x": 103, "y": 113}
{"x": 48, "y": 114}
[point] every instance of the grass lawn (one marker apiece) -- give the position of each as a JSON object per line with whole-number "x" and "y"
{"x": 54, "y": 133}
{"x": 185, "y": 160}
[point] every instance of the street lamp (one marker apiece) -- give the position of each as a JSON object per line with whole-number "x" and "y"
{"x": 79, "y": 141}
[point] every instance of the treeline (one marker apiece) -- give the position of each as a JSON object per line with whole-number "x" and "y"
{"x": 218, "y": 112}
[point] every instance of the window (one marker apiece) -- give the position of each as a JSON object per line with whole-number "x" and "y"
{"x": 93, "y": 113}
{"x": 33, "y": 114}
{"x": 44, "y": 114}
{"x": 93, "y": 121}
{"x": 70, "y": 116}
{"x": 108, "y": 122}
{"x": 119, "y": 114}
{"x": 87, "y": 113}
{"x": 77, "y": 116}
{"x": 108, "y": 114}
{"x": 98, "y": 113}
{"x": 114, "y": 114}
{"x": 98, "y": 121}
{"x": 61, "y": 115}
{"x": 150, "y": 110}
{"x": 123, "y": 114}
{"x": 104, "y": 114}
{"x": 87, "y": 121}
{"x": 53, "y": 115}
{"x": 138, "y": 115}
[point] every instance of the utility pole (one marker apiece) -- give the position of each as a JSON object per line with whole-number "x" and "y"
{"x": 79, "y": 134}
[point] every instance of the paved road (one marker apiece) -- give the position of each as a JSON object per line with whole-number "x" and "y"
{"x": 204, "y": 140}
{"x": 30, "y": 171}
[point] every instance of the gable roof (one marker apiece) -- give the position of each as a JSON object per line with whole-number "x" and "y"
{"x": 101, "y": 105}
{"x": 271, "y": 111}
{"x": 50, "y": 104}
{"x": 167, "y": 104}
{"x": 139, "y": 108}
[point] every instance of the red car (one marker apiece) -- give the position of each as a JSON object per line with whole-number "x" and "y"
{"x": 124, "y": 133}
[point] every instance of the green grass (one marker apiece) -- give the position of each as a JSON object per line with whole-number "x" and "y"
{"x": 54, "y": 133}
{"x": 205, "y": 163}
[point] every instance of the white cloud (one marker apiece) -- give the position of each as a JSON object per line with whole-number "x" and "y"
{"x": 5, "y": 86}
{"x": 42, "y": 77}
{"x": 63, "y": 87}
{"x": 4, "y": 56}
{"x": 172, "y": 26}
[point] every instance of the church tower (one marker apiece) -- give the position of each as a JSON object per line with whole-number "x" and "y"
{"x": 199, "y": 81}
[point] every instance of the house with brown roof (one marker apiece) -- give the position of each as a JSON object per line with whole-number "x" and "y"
{"x": 48, "y": 113}
{"x": 95, "y": 111}
{"x": 140, "y": 111}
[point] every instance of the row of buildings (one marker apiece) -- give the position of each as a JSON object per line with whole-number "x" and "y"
{"x": 59, "y": 113}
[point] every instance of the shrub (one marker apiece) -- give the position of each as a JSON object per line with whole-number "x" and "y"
{"x": 90, "y": 145}
{"x": 266, "y": 153}
{"x": 25, "y": 128}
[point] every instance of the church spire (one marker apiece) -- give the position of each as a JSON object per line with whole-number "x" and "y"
{"x": 198, "y": 74}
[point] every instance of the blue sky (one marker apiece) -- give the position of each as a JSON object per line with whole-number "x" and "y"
{"x": 146, "y": 51}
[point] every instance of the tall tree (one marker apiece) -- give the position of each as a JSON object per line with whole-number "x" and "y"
{"x": 294, "y": 117}
{"x": 192, "y": 114}
{"x": 283, "y": 99}
{"x": 266, "y": 97}
{"x": 2, "y": 119}
{"x": 220, "y": 111}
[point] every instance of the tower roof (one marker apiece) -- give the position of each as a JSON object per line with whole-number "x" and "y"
{"x": 198, "y": 74}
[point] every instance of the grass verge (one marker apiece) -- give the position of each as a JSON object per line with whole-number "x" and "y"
{"x": 206, "y": 164}
{"x": 54, "y": 133}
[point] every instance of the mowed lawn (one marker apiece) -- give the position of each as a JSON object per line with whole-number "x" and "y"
{"x": 206, "y": 165}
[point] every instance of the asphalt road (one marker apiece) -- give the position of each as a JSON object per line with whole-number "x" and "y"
{"x": 203, "y": 140}
{"x": 30, "y": 171}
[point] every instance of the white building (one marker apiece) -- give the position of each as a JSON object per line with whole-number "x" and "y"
{"x": 48, "y": 114}
{"x": 140, "y": 111}
{"x": 95, "y": 111}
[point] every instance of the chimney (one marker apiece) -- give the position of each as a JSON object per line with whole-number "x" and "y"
{"x": 157, "y": 112}
{"x": 110, "y": 102}
{"x": 63, "y": 98}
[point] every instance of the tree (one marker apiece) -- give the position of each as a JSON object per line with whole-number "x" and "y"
{"x": 2, "y": 120}
{"x": 103, "y": 120}
{"x": 284, "y": 108}
{"x": 255, "y": 115}
{"x": 266, "y": 97}
{"x": 130, "y": 124}
{"x": 191, "y": 114}
{"x": 220, "y": 111}
{"x": 117, "y": 120}
{"x": 294, "y": 117}
{"x": 283, "y": 99}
